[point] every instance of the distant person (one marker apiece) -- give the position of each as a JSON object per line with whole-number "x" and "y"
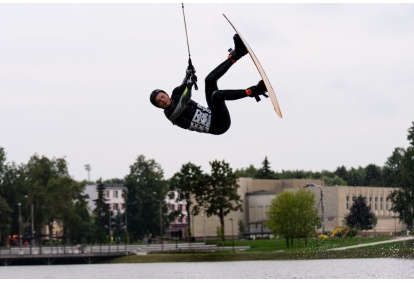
{"x": 182, "y": 111}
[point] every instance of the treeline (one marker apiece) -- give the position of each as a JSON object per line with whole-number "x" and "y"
{"x": 369, "y": 176}
{"x": 42, "y": 192}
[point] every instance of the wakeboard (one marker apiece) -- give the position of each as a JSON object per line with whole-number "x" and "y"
{"x": 262, "y": 73}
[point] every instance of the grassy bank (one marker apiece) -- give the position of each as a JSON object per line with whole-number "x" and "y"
{"x": 277, "y": 250}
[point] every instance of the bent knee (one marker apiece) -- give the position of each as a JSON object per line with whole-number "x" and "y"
{"x": 210, "y": 79}
{"x": 217, "y": 94}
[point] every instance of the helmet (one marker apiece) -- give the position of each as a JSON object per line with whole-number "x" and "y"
{"x": 153, "y": 95}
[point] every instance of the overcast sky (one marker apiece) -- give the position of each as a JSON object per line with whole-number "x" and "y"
{"x": 75, "y": 81}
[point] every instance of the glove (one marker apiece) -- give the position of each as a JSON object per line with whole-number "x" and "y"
{"x": 191, "y": 77}
{"x": 192, "y": 80}
{"x": 190, "y": 71}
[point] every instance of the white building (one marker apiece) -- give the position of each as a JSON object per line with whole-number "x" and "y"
{"x": 113, "y": 193}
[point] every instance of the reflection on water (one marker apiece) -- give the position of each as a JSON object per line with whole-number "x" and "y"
{"x": 294, "y": 269}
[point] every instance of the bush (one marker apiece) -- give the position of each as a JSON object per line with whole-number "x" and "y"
{"x": 352, "y": 233}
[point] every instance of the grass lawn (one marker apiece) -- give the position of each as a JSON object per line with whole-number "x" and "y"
{"x": 276, "y": 249}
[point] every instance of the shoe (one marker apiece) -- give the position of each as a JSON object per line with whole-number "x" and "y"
{"x": 239, "y": 49}
{"x": 255, "y": 91}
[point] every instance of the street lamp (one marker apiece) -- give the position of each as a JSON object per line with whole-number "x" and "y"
{"x": 232, "y": 233}
{"x": 161, "y": 230}
{"x": 20, "y": 226}
{"x": 88, "y": 168}
{"x": 31, "y": 225}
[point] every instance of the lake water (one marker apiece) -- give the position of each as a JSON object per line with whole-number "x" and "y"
{"x": 294, "y": 269}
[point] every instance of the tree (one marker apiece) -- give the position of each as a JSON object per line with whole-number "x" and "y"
{"x": 360, "y": 215}
{"x": 249, "y": 172}
{"x": 403, "y": 199}
{"x": 190, "y": 183}
{"x": 11, "y": 193}
{"x": 372, "y": 176}
{"x": 101, "y": 211}
{"x": 221, "y": 197}
{"x": 5, "y": 219}
{"x": 402, "y": 164}
{"x": 265, "y": 172}
{"x": 342, "y": 173}
{"x": 334, "y": 181}
{"x": 392, "y": 168}
{"x": 62, "y": 195}
{"x": 145, "y": 195}
{"x": 293, "y": 215}
{"x": 307, "y": 214}
{"x": 280, "y": 216}
{"x": 355, "y": 176}
{"x": 52, "y": 192}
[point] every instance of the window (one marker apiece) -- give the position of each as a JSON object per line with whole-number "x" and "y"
{"x": 115, "y": 194}
{"x": 381, "y": 201}
{"x": 107, "y": 193}
{"x": 347, "y": 202}
{"x": 376, "y": 203}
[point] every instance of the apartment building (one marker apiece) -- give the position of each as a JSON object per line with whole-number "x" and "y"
{"x": 113, "y": 193}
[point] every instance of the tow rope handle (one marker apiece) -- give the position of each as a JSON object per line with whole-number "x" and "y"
{"x": 190, "y": 65}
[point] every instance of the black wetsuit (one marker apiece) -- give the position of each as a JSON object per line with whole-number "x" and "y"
{"x": 214, "y": 119}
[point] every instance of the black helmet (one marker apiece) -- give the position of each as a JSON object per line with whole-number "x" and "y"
{"x": 153, "y": 95}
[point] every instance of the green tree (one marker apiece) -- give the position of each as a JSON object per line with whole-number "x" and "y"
{"x": 5, "y": 190}
{"x": 307, "y": 214}
{"x": 372, "y": 176}
{"x": 190, "y": 184}
{"x": 146, "y": 192}
{"x": 83, "y": 231}
{"x": 360, "y": 215}
{"x": 221, "y": 197}
{"x": 2, "y": 163}
{"x": 249, "y": 172}
{"x": 334, "y": 181}
{"x": 5, "y": 220}
{"x": 355, "y": 177}
{"x": 293, "y": 215}
{"x": 52, "y": 192}
{"x": 403, "y": 199}
{"x": 281, "y": 216}
{"x": 392, "y": 169}
{"x": 342, "y": 173}
{"x": 265, "y": 172}
{"x": 62, "y": 195}
{"x": 13, "y": 190}
{"x": 101, "y": 212}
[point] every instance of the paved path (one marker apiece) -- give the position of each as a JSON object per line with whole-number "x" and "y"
{"x": 400, "y": 239}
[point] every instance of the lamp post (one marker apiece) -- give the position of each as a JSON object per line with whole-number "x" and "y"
{"x": 20, "y": 226}
{"x": 88, "y": 168}
{"x": 31, "y": 224}
{"x": 161, "y": 230}
{"x": 232, "y": 233}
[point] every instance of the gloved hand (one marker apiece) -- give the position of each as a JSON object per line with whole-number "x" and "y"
{"x": 192, "y": 80}
{"x": 191, "y": 77}
{"x": 190, "y": 70}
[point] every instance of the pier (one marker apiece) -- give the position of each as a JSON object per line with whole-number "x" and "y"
{"x": 87, "y": 254}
